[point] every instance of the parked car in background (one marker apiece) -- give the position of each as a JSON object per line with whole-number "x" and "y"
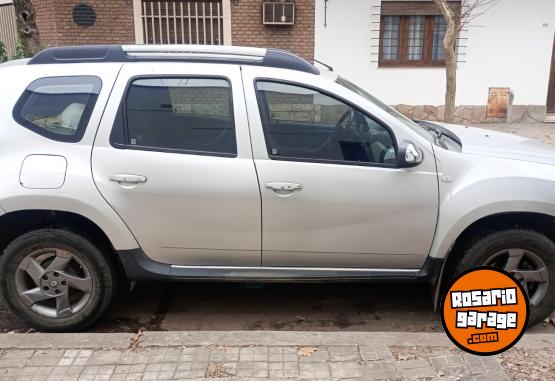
{"x": 244, "y": 164}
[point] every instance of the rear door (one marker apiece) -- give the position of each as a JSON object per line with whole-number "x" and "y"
{"x": 173, "y": 158}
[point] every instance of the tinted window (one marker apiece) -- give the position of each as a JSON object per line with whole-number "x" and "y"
{"x": 58, "y": 107}
{"x": 183, "y": 114}
{"x": 306, "y": 124}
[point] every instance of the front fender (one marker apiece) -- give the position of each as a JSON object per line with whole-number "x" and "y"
{"x": 475, "y": 187}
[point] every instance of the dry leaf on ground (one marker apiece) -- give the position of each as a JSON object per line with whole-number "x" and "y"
{"x": 217, "y": 371}
{"x": 136, "y": 339}
{"x": 306, "y": 351}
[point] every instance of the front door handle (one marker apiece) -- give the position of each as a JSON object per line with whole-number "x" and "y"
{"x": 128, "y": 179}
{"x": 281, "y": 186}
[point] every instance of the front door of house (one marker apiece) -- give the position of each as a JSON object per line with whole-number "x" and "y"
{"x": 551, "y": 89}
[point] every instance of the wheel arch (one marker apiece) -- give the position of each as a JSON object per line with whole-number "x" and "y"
{"x": 16, "y": 223}
{"x": 538, "y": 222}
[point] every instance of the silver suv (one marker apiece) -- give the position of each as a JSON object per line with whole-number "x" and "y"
{"x": 177, "y": 163}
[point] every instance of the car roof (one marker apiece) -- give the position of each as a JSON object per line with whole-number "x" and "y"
{"x": 19, "y": 62}
{"x": 181, "y": 53}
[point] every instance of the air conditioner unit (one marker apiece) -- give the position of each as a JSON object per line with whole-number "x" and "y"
{"x": 278, "y": 13}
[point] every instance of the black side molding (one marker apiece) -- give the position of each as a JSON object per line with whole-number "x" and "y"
{"x": 139, "y": 267}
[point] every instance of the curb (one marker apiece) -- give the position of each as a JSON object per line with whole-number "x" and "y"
{"x": 241, "y": 338}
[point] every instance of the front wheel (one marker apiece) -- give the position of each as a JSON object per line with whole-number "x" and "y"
{"x": 56, "y": 280}
{"x": 528, "y": 255}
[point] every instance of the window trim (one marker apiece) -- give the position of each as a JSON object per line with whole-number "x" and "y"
{"x": 85, "y": 117}
{"x": 125, "y": 133}
{"x": 427, "y": 49}
{"x": 331, "y": 95}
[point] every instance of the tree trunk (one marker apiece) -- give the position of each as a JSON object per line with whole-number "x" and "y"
{"x": 27, "y": 27}
{"x": 449, "y": 44}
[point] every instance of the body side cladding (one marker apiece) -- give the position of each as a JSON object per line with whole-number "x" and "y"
{"x": 139, "y": 267}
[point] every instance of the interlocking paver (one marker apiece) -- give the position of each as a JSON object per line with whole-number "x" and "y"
{"x": 391, "y": 375}
{"x": 454, "y": 360}
{"x": 439, "y": 361}
{"x": 341, "y": 370}
{"x": 344, "y": 353}
{"x": 368, "y": 352}
{"x": 414, "y": 373}
{"x": 21, "y": 354}
{"x": 314, "y": 370}
{"x": 410, "y": 364}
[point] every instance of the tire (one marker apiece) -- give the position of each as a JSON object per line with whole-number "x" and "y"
{"x": 70, "y": 288}
{"x": 537, "y": 250}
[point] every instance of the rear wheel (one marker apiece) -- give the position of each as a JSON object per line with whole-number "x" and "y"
{"x": 56, "y": 280}
{"x": 528, "y": 255}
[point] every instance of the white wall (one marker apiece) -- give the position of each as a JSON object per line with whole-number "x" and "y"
{"x": 509, "y": 46}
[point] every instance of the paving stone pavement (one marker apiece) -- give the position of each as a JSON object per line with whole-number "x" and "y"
{"x": 337, "y": 362}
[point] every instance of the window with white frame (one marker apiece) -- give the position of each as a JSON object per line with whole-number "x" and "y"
{"x": 181, "y": 21}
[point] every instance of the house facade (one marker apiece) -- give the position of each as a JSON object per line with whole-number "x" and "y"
{"x": 392, "y": 48}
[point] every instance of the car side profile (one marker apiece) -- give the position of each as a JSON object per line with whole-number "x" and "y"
{"x": 188, "y": 163}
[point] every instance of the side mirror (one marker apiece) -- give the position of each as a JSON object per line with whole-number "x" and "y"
{"x": 409, "y": 155}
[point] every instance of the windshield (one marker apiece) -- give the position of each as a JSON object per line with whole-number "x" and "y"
{"x": 391, "y": 111}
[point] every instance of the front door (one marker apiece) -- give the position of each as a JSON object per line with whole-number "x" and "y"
{"x": 551, "y": 89}
{"x": 176, "y": 164}
{"x": 331, "y": 195}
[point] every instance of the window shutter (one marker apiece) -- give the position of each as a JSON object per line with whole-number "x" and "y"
{"x": 414, "y": 8}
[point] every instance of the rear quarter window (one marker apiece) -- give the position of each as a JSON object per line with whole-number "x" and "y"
{"x": 58, "y": 108}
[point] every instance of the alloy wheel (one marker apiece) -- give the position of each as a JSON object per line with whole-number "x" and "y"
{"x": 527, "y": 267}
{"x": 53, "y": 282}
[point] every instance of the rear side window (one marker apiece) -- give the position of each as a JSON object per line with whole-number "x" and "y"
{"x": 185, "y": 115}
{"x": 58, "y": 108}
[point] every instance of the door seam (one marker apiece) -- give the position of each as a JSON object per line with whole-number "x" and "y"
{"x": 93, "y": 145}
{"x": 254, "y": 165}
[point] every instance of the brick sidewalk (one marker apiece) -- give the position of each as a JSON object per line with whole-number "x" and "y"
{"x": 337, "y": 362}
{"x": 265, "y": 355}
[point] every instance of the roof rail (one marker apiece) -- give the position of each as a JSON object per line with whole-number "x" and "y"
{"x": 181, "y": 53}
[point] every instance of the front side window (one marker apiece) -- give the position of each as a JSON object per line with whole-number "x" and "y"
{"x": 58, "y": 108}
{"x": 306, "y": 124}
{"x": 191, "y": 115}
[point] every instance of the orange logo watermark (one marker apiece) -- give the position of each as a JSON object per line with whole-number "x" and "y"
{"x": 485, "y": 311}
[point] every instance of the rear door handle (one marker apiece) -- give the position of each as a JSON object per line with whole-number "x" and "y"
{"x": 128, "y": 179}
{"x": 281, "y": 186}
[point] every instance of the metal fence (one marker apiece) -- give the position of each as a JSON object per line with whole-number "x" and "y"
{"x": 182, "y": 22}
{"x": 8, "y": 28}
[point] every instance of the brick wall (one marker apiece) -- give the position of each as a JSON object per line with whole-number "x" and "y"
{"x": 114, "y": 22}
{"x": 46, "y": 21}
{"x": 114, "y": 25}
{"x": 247, "y": 28}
